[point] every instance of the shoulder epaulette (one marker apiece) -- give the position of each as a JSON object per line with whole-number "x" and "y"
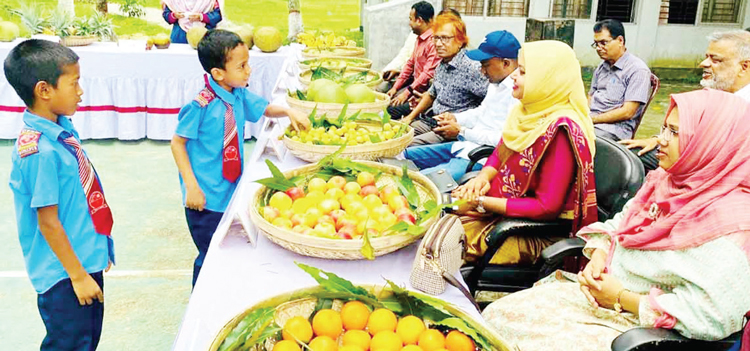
{"x": 205, "y": 97}
{"x": 28, "y": 142}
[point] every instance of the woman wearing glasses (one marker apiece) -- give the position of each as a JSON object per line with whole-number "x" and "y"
{"x": 676, "y": 257}
{"x": 458, "y": 85}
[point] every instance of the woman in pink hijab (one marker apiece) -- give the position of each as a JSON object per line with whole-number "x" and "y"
{"x": 676, "y": 257}
{"x": 185, "y": 14}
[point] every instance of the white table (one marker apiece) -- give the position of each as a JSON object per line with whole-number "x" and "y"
{"x": 131, "y": 93}
{"x": 236, "y": 275}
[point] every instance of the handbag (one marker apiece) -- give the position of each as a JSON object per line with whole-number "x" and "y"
{"x": 439, "y": 257}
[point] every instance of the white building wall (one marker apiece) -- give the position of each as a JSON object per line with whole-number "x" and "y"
{"x": 657, "y": 44}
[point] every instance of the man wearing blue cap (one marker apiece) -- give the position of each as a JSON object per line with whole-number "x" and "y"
{"x": 482, "y": 125}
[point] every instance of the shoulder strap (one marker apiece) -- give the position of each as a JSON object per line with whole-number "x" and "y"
{"x": 453, "y": 281}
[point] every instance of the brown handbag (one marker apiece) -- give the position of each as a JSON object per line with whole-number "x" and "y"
{"x": 439, "y": 257}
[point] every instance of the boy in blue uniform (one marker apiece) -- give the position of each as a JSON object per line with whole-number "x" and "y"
{"x": 207, "y": 146}
{"x": 64, "y": 222}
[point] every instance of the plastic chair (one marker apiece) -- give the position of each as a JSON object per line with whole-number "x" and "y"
{"x": 618, "y": 174}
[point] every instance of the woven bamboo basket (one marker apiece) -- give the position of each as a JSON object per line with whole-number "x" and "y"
{"x": 342, "y": 249}
{"x": 343, "y": 61}
{"x": 345, "y": 51}
{"x": 333, "y": 109}
{"x": 301, "y": 302}
{"x": 304, "y": 76}
{"x": 366, "y": 152}
{"x": 77, "y": 40}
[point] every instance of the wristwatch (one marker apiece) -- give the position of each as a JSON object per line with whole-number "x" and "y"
{"x": 480, "y": 205}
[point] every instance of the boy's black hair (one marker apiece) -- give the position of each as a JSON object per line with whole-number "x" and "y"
{"x": 614, "y": 27}
{"x": 215, "y": 46}
{"x": 451, "y": 11}
{"x": 33, "y": 61}
{"x": 423, "y": 10}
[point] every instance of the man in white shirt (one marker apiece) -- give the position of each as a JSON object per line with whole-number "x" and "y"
{"x": 393, "y": 69}
{"x": 726, "y": 67}
{"x": 483, "y": 125}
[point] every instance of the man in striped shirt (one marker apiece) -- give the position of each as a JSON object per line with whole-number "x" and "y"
{"x": 620, "y": 85}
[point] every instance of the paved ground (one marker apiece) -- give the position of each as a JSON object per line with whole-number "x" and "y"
{"x": 148, "y": 290}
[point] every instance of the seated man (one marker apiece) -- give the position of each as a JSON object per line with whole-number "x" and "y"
{"x": 483, "y": 125}
{"x": 392, "y": 70}
{"x": 458, "y": 85}
{"x": 420, "y": 68}
{"x": 620, "y": 86}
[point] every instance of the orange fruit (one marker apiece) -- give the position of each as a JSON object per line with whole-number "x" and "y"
{"x": 327, "y": 322}
{"x": 458, "y": 341}
{"x": 286, "y": 345}
{"x": 409, "y": 328}
{"x": 323, "y": 343}
{"x": 297, "y": 328}
{"x": 350, "y": 348}
{"x": 354, "y": 315}
{"x": 386, "y": 340}
{"x": 431, "y": 340}
{"x": 411, "y": 348}
{"x": 381, "y": 319}
{"x": 359, "y": 338}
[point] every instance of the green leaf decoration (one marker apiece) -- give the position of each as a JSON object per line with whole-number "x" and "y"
{"x": 354, "y": 116}
{"x": 277, "y": 181}
{"x": 367, "y": 250}
{"x": 301, "y": 95}
{"x": 424, "y": 307}
{"x": 248, "y": 332}
{"x": 374, "y": 138}
{"x": 408, "y": 188}
{"x": 386, "y": 116}
{"x": 272, "y": 183}
{"x": 334, "y": 283}
{"x": 311, "y": 116}
{"x": 321, "y": 304}
{"x": 342, "y": 116}
{"x": 460, "y": 325}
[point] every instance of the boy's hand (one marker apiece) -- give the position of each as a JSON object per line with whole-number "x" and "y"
{"x": 299, "y": 120}
{"x": 87, "y": 290}
{"x": 194, "y": 199}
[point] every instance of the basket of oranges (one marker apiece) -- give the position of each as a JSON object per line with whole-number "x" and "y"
{"x": 340, "y": 316}
{"x": 344, "y": 209}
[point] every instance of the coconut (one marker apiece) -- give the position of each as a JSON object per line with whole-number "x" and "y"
{"x": 8, "y": 31}
{"x": 267, "y": 39}
{"x": 360, "y": 93}
{"x": 330, "y": 93}
{"x": 245, "y": 32}
{"x": 315, "y": 86}
{"x": 194, "y": 35}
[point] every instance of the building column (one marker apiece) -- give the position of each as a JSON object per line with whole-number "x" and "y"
{"x": 539, "y": 8}
{"x": 647, "y": 23}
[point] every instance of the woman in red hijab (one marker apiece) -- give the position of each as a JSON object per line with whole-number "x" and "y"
{"x": 677, "y": 255}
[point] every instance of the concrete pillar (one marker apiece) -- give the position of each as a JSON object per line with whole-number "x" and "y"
{"x": 745, "y": 19}
{"x": 647, "y": 20}
{"x": 539, "y": 8}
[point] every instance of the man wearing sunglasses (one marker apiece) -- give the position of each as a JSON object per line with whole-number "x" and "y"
{"x": 620, "y": 86}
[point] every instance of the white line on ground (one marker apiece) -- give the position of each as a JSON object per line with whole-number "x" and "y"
{"x": 117, "y": 273}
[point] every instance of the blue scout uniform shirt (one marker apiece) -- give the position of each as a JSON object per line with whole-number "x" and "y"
{"x": 46, "y": 174}
{"x": 204, "y": 129}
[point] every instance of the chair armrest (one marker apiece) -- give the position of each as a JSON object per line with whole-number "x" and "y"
{"x": 636, "y": 338}
{"x": 467, "y": 177}
{"x": 480, "y": 152}
{"x": 523, "y": 227}
{"x": 564, "y": 248}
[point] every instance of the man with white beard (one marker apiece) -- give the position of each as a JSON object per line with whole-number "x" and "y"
{"x": 726, "y": 67}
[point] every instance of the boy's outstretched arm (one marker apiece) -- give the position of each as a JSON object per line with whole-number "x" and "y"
{"x": 194, "y": 197}
{"x": 299, "y": 120}
{"x": 85, "y": 287}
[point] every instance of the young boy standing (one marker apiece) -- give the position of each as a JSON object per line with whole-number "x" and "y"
{"x": 207, "y": 146}
{"x": 64, "y": 222}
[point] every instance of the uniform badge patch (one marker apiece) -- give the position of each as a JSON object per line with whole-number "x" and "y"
{"x": 28, "y": 142}
{"x": 205, "y": 97}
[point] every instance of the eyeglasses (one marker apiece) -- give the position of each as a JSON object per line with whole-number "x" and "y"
{"x": 601, "y": 43}
{"x": 444, "y": 40}
{"x": 666, "y": 134}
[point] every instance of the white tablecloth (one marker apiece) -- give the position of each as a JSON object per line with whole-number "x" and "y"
{"x": 236, "y": 275}
{"x": 131, "y": 93}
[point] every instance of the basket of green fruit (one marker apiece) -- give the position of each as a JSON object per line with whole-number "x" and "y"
{"x": 335, "y": 62}
{"x": 368, "y": 136}
{"x": 344, "y": 76}
{"x": 345, "y": 51}
{"x": 344, "y": 209}
{"x": 356, "y": 317}
{"x": 329, "y": 97}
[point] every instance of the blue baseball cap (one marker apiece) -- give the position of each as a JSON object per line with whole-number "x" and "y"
{"x": 496, "y": 44}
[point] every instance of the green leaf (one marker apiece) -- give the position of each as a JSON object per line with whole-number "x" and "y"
{"x": 328, "y": 160}
{"x": 418, "y": 305}
{"x": 432, "y": 209}
{"x": 311, "y": 116}
{"x": 274, "y": 184}
{"x": 460, "y": 325}
{"x": 374, "y": 138}
{"x": 386, "y": 116}
{"x": 301, "y": 95}
{"x": 342, "y": 115}
{"x": 250, "y": 328}
{"x": 332, "y": 282}
{"x": 408, "y": 188}
{"x": 276, "y": 172}
{"x": 354, "y": 116}
{"x": 367, "y": 249}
